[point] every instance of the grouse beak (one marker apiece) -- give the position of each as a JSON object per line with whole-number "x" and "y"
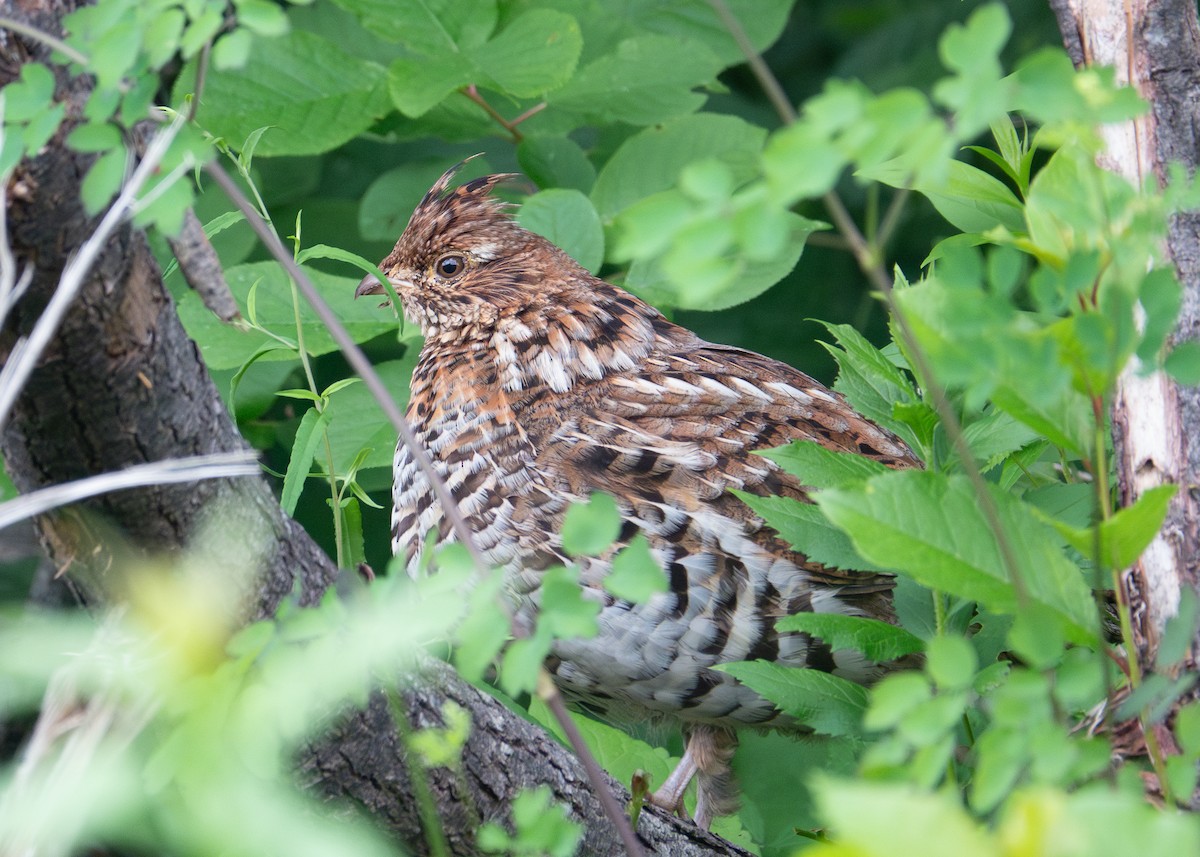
{"x": 369, "y": 285}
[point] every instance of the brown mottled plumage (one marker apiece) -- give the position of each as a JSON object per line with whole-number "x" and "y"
{"x": 538, "y": 384}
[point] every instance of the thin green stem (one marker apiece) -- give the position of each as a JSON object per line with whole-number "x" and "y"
{"x": 766, "y": 79}
{"x": 891, "y": 217}
{"x": 1132, "y": 662}
{"x": 939, "y": 611}
{"x": 472, "y": 92}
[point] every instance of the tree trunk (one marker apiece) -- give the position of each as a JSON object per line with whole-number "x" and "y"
{"x": 122, "y": 384}
{"x": 1154, "y": 45}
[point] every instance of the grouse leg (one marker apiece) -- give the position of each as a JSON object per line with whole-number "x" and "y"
{"x": 707, "y": 754}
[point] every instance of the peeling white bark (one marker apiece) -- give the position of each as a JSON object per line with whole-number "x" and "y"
{"x": 1148, "y": 437}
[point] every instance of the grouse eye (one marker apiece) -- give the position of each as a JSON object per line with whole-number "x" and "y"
{"x": 450, "y": 266}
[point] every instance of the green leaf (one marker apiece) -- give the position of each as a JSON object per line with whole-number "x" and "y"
{"x": 590, "y": 528}
{"x": 636, "y": 574}
{"x": 103, "y": 180}
{"x": 651, "y": 160}
{"x": 534, "y": 54}
{"x": 618, "y": 753}
{"x": 1036, "y": 638}
{"x": 261, "y": 18}
{"x": 970, "y": 199}
{"x": 390, "y": 199}
{"x": 556, "y": 162}
{"x": 521, "y": 663}
{"x": 483, "y": 633}
{"x": 308, "y": 437}
{"x": 567, "y": 218}
{"x": 359, "y": 422}
{"x": 1187, "y": 728}
{"x": 352, "y": 533}
{"x": 427, "y": 27}
{"x": 818, "y": 467}
{"x": 930, "y": 526}
{"x": 1126, "y": 534}
{"x": 94, "y": 137}
{"x": 950, "y": 662}
{"x": 805, "y": 528}
{"x": 879, "y": 641}
{"x": 895, "y": 697}
{"x": 227, "y": 347}
{"x": 1179, "y": 632}
{"x": 869, "y": 380}
{"x": 232, "y": 50}
{"x": 1183, "y": 363}
{"x": 647, "y": 79}
{"x": 201, "y": 29}
{"x": 699, "y": 271}
{"x": 898, "y": 820}
{"x": 827, "y": 704}
{"x": 30, "y": 94}
{"x": 314, "y": 95}
{"x": 682, "y": 20}
{"x": 418, "y": 84}
{"x": 307, "y": 395}
{"x": 565, "y": 612}
{"x": 1160, "y": 296}
{"x": 995, "y": 436}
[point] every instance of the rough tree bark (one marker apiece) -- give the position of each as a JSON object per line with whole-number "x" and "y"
{"x": 122, "y": 384}
{"x": 1154, "y": 45}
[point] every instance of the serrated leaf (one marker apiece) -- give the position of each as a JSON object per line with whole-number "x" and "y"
{"x": 308, "y": 437}
{"x": 879, "y": 641}
{"x": 931, "y": 527}
{"x": 827, "y": 704}
{"x": 805, "y": 528}
{"x": 313, "y": 94}
{"x": 868, "y": 379}
{"x": 818, "y": 467}
{"x": 994, "y": 436}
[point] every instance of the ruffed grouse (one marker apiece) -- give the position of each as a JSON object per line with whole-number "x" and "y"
{"x": 539, "y": 384}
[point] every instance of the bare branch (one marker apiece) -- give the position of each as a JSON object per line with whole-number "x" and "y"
{"x": 215, "y": 466}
